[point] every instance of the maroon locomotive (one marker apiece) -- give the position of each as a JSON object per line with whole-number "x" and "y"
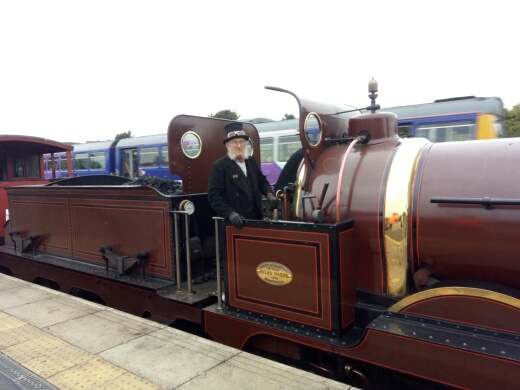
{"x": 389, "y": 261}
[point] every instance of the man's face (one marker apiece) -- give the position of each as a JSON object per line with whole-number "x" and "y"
{"x": 238, "y": 147}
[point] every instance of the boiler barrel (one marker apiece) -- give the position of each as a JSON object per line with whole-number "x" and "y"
{"x": 466, "y": 211}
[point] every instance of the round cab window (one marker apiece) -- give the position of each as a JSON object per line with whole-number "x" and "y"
{"x": 313, "y": 129}
{"x": 191, "y": 144}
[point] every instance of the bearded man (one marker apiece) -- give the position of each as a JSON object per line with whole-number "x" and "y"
{"x": 236, "y": 183}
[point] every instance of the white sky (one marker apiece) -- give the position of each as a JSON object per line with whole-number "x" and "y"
{"x": 74, "y": 71}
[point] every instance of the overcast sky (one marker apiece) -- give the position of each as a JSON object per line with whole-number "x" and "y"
{"x": 74, "y": 71}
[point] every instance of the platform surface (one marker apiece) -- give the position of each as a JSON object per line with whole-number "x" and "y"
{"x": 50, "y": 340}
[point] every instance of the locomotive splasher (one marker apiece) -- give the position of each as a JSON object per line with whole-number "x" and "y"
{"x": 388, "y": 254}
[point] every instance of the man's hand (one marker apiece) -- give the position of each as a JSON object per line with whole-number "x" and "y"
{"x": 272, "y": 202}
{"x": 237, "y": 220}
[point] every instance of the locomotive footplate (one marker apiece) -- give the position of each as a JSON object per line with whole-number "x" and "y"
{"x": 350, "y": 339}
{"x": 495, "y": 343}
{"x": 479, "y": 340}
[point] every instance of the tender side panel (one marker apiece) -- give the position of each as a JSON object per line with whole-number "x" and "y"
{"x": 306, "y": 298}
{"x": 129, "y": 226}
{"x": 76, "y": 222}
{"x": 46, "y": 217}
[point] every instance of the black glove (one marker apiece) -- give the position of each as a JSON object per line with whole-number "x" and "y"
{"x": 237, "y": 220}
{"x": 272, "y": 202}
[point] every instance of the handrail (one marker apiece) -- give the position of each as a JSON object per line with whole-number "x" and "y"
{"x": 217, "y": 257}
{"x": 177, "y": 255}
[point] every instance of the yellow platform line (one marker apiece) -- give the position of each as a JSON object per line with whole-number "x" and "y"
{"x": 60, "y": 363}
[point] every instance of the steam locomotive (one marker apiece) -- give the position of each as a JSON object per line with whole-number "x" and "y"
{"x": 388, "y": 262}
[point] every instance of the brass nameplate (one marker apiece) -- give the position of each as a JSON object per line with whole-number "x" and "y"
{"x": 274, "y": 273}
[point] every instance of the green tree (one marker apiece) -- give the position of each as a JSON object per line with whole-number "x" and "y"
{"x": 513, "y": 121}
{"x": 126, "y": 134}
{"x": 288, "y": 116}
{"x": 226, "y": 114}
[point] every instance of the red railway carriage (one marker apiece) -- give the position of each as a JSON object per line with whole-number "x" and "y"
{"x": 388, "y": 263}
{"x": 21, "y": 163}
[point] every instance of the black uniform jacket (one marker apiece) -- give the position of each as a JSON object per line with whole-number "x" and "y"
{"x": 230, "y": 190}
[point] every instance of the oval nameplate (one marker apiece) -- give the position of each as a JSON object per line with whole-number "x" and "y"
{"x": 274, "y": 273}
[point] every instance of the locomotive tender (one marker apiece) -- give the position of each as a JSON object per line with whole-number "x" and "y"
{"x": 388, "y": 260}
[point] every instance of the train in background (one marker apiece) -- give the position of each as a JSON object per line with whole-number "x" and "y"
{"x": 454, "y": 119}
{"x": 21, "y": 163}
{"x": 127, "y": 157}
{"x": 393, "y": 263}
{"x": 148, "y": 155}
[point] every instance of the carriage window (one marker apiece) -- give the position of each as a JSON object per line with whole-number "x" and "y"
{"x": 287, "y": 145}
{"x": 18, "y": 166}
{"x": 97, "y": 160}
{"x": 3, "y": 167}
{"x": 447, "y": 131}
{"x": 149, "y": 157}
{"x": 63, "y": 163}
{"x": 313, "y": 129}
{"x": 33, "y": 165}
{"x": 164, "y": 156}
{"x": 266, "y": 149}
{"x": 405, "y": 131}
{"x": 81, "y": 161}
{"x": 191, "y": 144}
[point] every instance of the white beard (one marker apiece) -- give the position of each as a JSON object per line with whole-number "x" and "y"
{"x": 231, "y": 154}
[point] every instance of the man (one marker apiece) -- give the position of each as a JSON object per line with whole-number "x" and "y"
{"x": 235, "y": 181}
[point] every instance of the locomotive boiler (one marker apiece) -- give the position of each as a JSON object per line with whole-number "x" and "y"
{"x": 389, "y": 262}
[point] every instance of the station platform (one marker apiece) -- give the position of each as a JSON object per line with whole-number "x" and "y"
{"x": 51, "y": 340}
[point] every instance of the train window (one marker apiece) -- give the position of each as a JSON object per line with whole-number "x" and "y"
{"x": 191, "y": 144}
{"x": 266, "y": 149}
{"x": 63, "y": 163}
{"x": 97, "y": 160}
{"x": 18, "y": 166}
{"x": 149, "y": 157}
{"x": 3, "y": 167}
{"x": 313, "y": 129}
{"x": 447, "y": 131}
{"x": 287, "y": 145}
{"x": 164, "y": 156}
{"x": 405, "y": 131}
{"x": 81, "y": 161}
{"x": 33, "y": 165}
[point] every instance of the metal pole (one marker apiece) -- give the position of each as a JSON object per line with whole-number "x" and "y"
{"x": 177, "y": 254}
{"x": 217, "y": 257}
{"x": 188, "y": 259}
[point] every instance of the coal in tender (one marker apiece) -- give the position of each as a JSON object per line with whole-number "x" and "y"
{"x": 164, "y": 186}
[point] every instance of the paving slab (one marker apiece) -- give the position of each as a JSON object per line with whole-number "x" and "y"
{"x": 258, "y": 374}
{"x": 100, "y": 331}
{"x": 52, "y": 311}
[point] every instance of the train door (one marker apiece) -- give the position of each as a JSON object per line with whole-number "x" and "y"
{"x": 129, "y": 163}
